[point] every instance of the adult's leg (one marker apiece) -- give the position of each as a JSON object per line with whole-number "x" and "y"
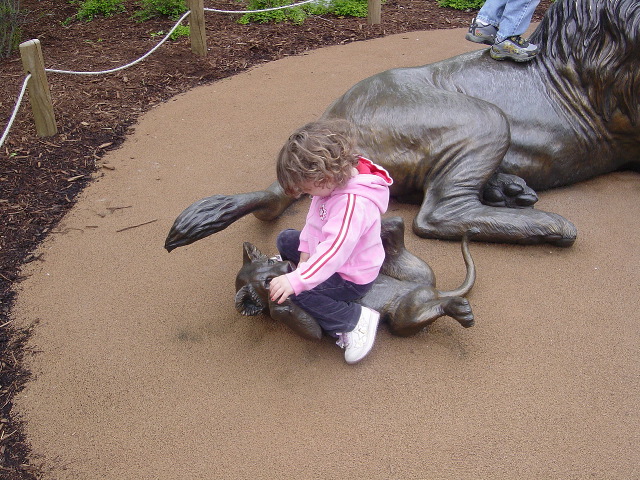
{"x": 491, "y": 12}
{"x": 516, "y": 18}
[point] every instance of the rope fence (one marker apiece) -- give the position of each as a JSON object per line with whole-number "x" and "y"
{"x": 130, "y": 64}
{"x": 36, "y": 83}
{"x": 15, "y": 110}
{"x": 260, "y": 11}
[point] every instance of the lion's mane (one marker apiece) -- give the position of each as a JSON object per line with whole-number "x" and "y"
{"x": 595, "y": 44}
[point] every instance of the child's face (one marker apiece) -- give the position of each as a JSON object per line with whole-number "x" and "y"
{"x": 310, "y": 188}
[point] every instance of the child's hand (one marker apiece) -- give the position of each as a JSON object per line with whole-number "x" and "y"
{"x": 280, "y": 289}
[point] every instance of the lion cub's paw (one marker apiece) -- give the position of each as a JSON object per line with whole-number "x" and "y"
{"x": 459, "y": 308}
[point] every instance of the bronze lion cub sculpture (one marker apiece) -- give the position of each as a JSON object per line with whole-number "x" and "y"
{"x": 404, "y": 293}
{"x": 471, "y": 140}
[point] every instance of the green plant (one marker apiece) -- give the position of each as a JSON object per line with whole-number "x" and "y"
{"x": 319, "y": 7}
{"x": 350, "y": 8}
{"x": 10, "y": 21}
{"x": 180, "y": 31}
{"x": 89, "y": 9}
{"x": 461, "y": 4}
{"x": 297, "y": 15}
{"x": 156, "y": 8}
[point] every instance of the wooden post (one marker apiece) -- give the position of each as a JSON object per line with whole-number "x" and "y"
{"x": 374, "y": 12}
{"x": 197, "y": 27}
{"x": 39, "y": 93}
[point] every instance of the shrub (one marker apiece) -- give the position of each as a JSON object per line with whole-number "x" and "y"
{"x": 297, "y": 15}
{"x": 156, "y": 8}
{"x": 89, "y": 9}
{"x": 180, "y": 31}
{"x": 10, "y": 21}
{"x": 349, "y": 8}
{"x": 461, "y": 4}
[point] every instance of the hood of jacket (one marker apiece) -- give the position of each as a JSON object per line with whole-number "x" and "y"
{"x": 372, "y": 182}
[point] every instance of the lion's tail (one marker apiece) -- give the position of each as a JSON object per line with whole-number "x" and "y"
{"x": 470, "y": 279}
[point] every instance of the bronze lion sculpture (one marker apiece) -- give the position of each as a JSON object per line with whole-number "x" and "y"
{"x": 471, "y": 140}
{"x": 404, "y": 293}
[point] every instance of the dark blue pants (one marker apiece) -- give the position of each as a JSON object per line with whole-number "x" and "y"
{"x": 332, "y": 302}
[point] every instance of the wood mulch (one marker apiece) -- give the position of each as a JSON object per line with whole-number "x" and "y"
{"x": 40, "y": 178}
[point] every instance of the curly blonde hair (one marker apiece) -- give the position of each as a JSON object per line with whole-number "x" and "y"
{"x": 321, "y": 152}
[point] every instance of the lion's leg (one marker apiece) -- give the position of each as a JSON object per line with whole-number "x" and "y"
{"x": 419, "y": 309}
{"x": 448, "y": 145}
{"x": 296, "y": 319}
{"x": 450, "y": 217}
{"x": 454, "y": 185}
{"x": 400, "y": 263}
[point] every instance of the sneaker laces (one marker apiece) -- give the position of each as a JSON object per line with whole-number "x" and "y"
{"x": 518, "y": 40}
{"x": 343, "y": 340}
{"x": 355, "y": 338}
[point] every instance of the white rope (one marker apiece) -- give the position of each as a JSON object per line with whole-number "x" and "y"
{"x": 15, "y": 110}
{"x": 259, "y": 11}
{"x": 186, "y": 14}
{"x": 166, "y": 37}
{"x": 128, "y": 64}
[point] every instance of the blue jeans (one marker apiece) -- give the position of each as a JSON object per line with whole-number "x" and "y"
{"x": 332, "y": 302}
{"x": 510, "y": 17}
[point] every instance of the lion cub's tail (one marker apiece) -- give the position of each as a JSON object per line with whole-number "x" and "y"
{"x": 470, "y": 279}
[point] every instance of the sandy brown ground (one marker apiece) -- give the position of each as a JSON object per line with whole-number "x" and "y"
{"x": 144, "y": 370}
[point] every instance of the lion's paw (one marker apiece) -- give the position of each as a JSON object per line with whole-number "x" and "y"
{"x": 511, "y": 191}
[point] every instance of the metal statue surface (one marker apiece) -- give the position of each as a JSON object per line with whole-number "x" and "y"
{"x": 404, "y": 293}
{"x": 471, "y": 139}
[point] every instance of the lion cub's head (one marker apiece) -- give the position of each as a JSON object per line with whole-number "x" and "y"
{"x": 252, "y": 281}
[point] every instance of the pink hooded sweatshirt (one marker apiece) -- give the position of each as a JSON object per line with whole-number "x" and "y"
{"x": 342, "y": 231}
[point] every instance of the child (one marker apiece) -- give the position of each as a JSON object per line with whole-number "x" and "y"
{"x": 339, "y": 251}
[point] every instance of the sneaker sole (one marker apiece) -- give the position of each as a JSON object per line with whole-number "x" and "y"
{"x": 509, "y": 57}
{"x": 474, "y": 39}
{"x": 372, "y": 323}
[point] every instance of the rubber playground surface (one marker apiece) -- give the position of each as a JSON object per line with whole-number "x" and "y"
{"x": 143, "y": 369}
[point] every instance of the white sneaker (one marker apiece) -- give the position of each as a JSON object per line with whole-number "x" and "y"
{"x": 359, "y": 342}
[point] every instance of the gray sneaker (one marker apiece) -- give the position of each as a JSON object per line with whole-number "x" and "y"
{"x": 479, "y": 33}
{"x": 514, "y": 48}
